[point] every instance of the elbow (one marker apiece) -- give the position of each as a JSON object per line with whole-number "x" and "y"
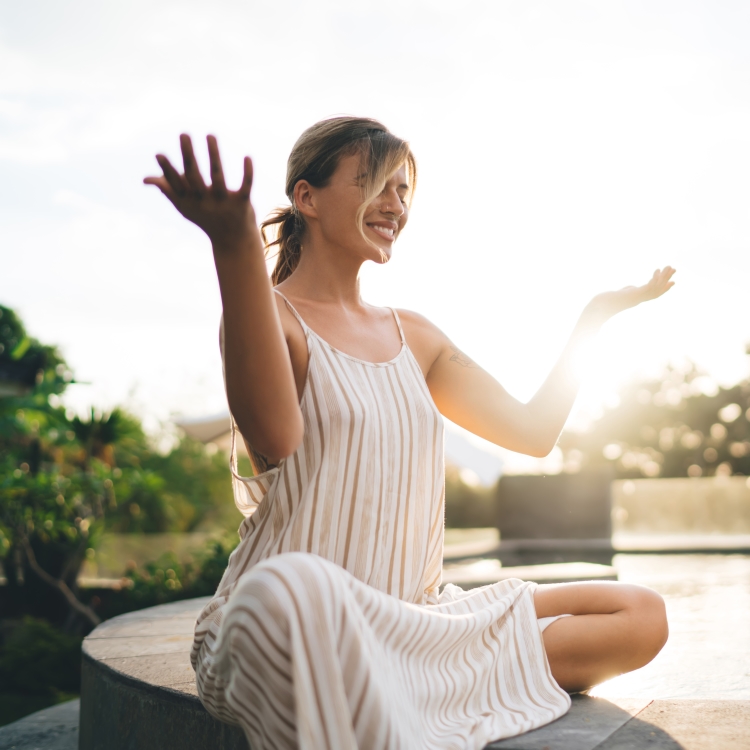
{"x": 542, "y": 450}
{"x": 282, "y": 446}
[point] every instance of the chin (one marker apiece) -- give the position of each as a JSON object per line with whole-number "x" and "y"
{"x": 382, "y": 259}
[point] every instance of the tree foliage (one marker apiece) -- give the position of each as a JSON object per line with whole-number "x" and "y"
{"x": 65, "y": 479}
{"x": 678, "y": 425}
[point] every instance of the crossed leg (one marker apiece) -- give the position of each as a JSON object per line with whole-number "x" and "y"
{"x": 616, "y": 628}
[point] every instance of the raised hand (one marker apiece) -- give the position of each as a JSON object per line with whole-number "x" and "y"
{"x": 226, "y": 216}
{"x": 606, "y": 305}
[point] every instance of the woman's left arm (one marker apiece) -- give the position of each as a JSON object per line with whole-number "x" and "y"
{"x": 469, "y": 396}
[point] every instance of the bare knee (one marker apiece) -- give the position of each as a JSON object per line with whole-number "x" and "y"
{"x": 648, "y": 614}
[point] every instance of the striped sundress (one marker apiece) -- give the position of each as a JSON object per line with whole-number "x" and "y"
{"x": 328, "y": 629}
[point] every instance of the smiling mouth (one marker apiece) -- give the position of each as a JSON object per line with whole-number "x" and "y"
{"x": 387, "y": 233}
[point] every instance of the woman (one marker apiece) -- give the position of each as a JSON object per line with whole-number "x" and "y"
{"x": 328, "y": 629}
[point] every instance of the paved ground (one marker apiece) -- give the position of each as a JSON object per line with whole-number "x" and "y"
{"x": 54, "y": 728}
{"x": 695, "y": 695}
{"x": 591, "y": 724}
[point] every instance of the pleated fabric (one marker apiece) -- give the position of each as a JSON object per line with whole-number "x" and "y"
{"x": 328, "y": 629}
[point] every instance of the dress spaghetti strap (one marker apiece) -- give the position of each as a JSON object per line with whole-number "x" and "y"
{"x": 398, "y": 323}
{"x": 294, "y": 312}
{"x": 233, "y": 467}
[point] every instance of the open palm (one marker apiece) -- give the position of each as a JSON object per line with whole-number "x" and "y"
{"x": 222, "y": 214}
{"x": 608, "y": 304}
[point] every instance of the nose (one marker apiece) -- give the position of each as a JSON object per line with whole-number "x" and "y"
{"x": 390, "y": 203}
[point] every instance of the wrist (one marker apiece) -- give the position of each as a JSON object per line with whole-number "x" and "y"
{"x": 235, "y": 244}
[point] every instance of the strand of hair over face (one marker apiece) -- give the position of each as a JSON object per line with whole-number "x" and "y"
{"x": 314, "y": 158}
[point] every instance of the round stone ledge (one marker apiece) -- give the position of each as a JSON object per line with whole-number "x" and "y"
{"x": 138, "y": 687}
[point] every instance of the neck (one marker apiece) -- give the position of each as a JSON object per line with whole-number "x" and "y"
{"x": 325, "y": 275}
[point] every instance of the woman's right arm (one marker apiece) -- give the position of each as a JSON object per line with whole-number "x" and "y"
{"x": 260, "y": 382}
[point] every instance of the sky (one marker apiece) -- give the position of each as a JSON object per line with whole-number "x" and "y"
{"x": 565, "y": 148}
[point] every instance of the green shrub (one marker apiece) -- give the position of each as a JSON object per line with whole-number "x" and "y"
{"x": 65, "y": 479}
{"x": 167, "y": 579}
{"x": 38, "y": 659}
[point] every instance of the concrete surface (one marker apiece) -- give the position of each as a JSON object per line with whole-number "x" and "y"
{"x": 669, "y": 544}
{"x": 139, "y": 694}
{"x": 136, "y": 672}
{"x": 54, "y": 728}
{"x": 685, "y": 725}
{"x": 581, "y": 510}
{"x": 589, "y": 722}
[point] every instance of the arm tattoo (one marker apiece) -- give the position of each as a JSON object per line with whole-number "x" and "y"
{"x": 460, "y": 358}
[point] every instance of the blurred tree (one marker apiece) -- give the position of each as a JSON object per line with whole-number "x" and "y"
{"x": 679, "y": 425}
{"x": 50, "y": 503}
{"x": 65, "y": 479}
{"x": 27, "y": 365}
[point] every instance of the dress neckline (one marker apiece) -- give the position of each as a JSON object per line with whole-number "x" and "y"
{"x": 306, "y": 328}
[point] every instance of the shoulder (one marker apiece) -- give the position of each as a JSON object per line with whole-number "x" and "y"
{"x": 420, "y": 325}
{"x": 424, "y": 338}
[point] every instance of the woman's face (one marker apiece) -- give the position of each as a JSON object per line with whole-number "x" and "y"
{"x": 336, "y": 205}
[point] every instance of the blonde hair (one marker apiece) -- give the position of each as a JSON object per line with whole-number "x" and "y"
{"x": 314, "y": 158}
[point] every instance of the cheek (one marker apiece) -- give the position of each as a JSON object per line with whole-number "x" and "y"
{"x": 341, "y": 217}
{"x": 335, "y": 220}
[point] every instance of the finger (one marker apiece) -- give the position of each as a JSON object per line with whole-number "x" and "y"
{"x": 218, "y": 184}
{"x": 163, "y": 185}
{"x": 664, "y": 277}
{"x": 173, "y": 177}
{"x": 247, "y": 178}
{"x": 192, "y": 173}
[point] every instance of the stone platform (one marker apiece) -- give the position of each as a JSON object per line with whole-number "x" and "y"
{"x": 139, "y": 693}
{"x": 591, "y": 724}
{"x": 138, "y": 687}
{"x": 54, "y": 728}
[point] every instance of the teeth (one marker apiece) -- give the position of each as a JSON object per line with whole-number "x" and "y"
{"x": 385, "y": 230}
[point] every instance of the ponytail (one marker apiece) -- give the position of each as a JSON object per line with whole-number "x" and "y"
{"x": 287, "y": 226}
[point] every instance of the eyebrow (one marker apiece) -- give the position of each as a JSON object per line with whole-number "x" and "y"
{"x": 402, "y": 186}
